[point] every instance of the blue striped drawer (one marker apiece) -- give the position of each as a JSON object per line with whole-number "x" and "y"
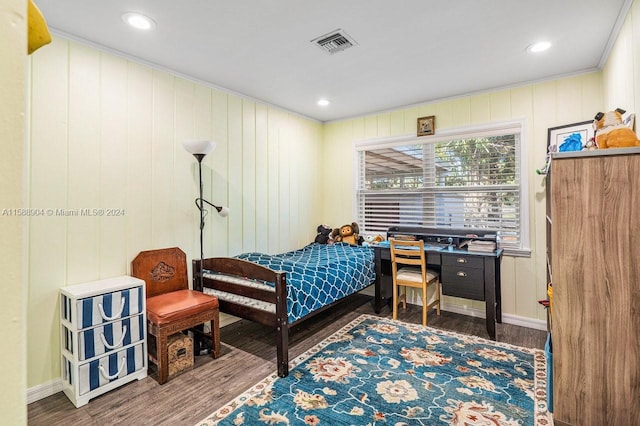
{"x": 109, "y": 307}
{"x": 108, "y": 337}
{"x": 97, "y": 373}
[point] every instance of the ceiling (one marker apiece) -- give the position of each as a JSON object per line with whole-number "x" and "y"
{"x": 407, "y": 51}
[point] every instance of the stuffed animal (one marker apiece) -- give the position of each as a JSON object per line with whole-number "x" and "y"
{"x": 324, "y": 235}
{"x": 372, "y": 239}
{"x": 611, "y": 132}
{"x": 349, "y": 234}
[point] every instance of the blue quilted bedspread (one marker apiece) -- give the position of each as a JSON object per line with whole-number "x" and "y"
{"x": 319, "y": 274}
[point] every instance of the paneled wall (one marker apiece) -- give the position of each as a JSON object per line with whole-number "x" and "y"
{"x": 542, "y": 105}
{"x": 13, "y": 82}
{"x": 622, "y": 71}
{"x": 109, "y": 177}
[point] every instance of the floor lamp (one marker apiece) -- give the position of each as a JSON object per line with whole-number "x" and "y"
{"x": 200, "y": 149}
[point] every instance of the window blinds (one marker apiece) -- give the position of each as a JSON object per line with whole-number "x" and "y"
{"x": 469, "y": 182}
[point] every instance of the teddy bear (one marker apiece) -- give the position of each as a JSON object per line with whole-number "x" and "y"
{"x": 349, "y": 234}
{"x": 611, "y": 132}
{"x": 324, "y": 235}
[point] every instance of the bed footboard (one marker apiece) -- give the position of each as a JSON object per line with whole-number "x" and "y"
{"x": 243, "y": 290}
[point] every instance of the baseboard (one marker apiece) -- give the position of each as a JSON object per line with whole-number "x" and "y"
{"x": 524, "y": 321}
{"x": 533, "y": 323}
{"x": 512, "y": 319}
{"x": 44, "y": 390}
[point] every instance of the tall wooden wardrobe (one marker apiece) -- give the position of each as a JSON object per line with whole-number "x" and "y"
{"x": 594, "y": 251}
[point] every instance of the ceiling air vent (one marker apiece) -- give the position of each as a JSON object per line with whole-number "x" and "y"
{"x": 334, "y": 42}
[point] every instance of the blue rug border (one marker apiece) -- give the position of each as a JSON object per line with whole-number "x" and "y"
{"x": 542, "y": 416}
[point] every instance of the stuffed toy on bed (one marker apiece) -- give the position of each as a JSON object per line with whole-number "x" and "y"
{"x": 349, "y": 234}
{"x": 611, "y": 132}
{"x": 324, "y": 235}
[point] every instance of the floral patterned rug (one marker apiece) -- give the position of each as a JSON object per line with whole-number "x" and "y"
{"x": 378, "y": 371}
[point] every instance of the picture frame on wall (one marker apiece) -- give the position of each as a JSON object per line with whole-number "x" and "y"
{"x": 570, "y": 137}
{"x": 426, "y": 125}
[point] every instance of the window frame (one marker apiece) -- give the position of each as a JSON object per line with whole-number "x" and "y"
{"x": 467, "y": 132}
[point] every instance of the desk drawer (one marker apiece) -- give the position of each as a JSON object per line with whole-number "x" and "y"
{"x": 463, "y": 282}
{"x": 462, "y": 261}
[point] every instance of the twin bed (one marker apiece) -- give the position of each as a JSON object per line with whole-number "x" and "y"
{"x": 282, "y": 290}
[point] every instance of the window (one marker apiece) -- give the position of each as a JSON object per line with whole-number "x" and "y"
{"x": 468, "y": 179}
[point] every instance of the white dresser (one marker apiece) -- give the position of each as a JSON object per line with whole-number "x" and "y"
{"x": 103, "y": 330}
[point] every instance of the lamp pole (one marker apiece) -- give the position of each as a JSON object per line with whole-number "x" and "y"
{"x": 199, "y": 157}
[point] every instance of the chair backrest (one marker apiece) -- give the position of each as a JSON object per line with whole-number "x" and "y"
{"x": 163, "y": 270}
{"x": 408, "y": 253}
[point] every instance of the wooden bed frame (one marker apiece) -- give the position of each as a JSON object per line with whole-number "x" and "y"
{"x": 249, "y": 271}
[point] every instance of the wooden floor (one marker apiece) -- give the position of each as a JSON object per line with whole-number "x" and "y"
{"x": 248, "y": 355}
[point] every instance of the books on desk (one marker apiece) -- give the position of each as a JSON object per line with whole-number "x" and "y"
{"x": 481, "y": 246}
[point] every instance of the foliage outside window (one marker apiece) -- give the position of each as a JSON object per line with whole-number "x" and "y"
{"x": 470, "y": 180}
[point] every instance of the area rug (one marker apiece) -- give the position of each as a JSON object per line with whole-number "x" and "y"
{"x": 378, "y": 371}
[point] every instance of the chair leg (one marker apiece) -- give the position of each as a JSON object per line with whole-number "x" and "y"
{"x": 404, "y": 297}
{"x": 395, "y": 301}
{"x": 425, "y": 308}
{"x": 162, "y": 356}
{"x": 438, "y": 296}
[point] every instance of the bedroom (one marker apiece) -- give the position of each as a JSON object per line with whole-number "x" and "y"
{"x": 78, "y": 107}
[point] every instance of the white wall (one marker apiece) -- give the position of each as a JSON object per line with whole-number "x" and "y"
{"x": 541, "y": 105}
{"x": 106, "y": 133}
{"x": 13, "y": 50}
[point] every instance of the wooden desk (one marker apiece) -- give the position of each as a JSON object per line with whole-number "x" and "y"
{"x": 469, "y": 275}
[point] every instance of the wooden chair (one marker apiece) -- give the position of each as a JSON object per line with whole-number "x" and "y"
{"x": 409, "y": 269}
{"x": 171, "y": 306}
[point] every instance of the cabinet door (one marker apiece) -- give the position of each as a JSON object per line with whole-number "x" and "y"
{"x": 596, "y": 289}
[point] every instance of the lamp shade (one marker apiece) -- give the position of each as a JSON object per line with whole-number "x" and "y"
{"x": 224, "y": 211}
{"x": 198, "y": 146}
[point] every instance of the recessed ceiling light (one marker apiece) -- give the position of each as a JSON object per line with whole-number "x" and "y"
{"x": 139, "y": 21}
{"x": 323, "y": 102}
{"x": 538, "y": 47}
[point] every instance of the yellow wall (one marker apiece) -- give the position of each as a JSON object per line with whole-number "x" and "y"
{"x": 13, "y": 49}
{"x": 106, "y": 133}
{"x": 622, "y": 70}
{"x": 542, "y": 106}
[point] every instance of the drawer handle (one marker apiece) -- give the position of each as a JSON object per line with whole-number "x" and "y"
{"x": 107, "y": 376}
{"x": 461, "y": 260}
{"x": 115, "y": 345}
{"x": 107, "y": 318}
{"x": 462, "y": 274}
